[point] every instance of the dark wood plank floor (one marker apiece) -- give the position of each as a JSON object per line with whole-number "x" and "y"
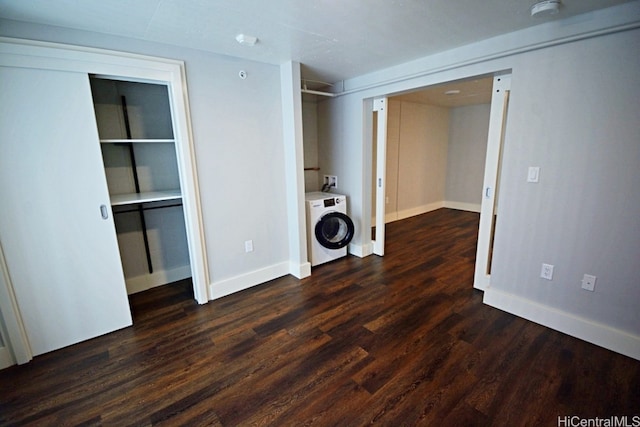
{"x": 399, "y": 340}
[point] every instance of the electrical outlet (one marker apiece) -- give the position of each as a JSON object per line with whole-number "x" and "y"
{"x": 589, "y": 282}
{"x": 248, "y": 246}
{"x": 331, "y": 181}
{"x": 547, "y": 271}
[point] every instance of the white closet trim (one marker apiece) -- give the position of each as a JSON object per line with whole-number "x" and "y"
{"x": 53, "y": 56}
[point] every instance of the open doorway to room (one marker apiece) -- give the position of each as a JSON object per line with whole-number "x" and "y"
{"x": 437, "y": 149}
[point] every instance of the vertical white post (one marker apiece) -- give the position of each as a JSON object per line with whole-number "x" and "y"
{"x": 380, "y": 106}
{"x": 294, "y": 164}
{"x": 497, "y": 122}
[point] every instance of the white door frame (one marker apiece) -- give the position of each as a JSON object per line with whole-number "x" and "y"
{"x": 497, "y": 121}
{"x": 495, "y": 137}
{"x": 53, "y": 56}
{"x": 380, "y": 107}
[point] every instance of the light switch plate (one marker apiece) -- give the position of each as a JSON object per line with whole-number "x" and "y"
{"x": 534, "y": 174}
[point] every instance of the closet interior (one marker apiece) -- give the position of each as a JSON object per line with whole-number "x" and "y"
{"x": 138, "y": 150}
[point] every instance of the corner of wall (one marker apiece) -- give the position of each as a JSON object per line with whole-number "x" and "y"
{"x": 462, "y": 206}
{"x": 300, "y": 271}
{"x": 579, "y": 327}
{"x": 361, "y": 251}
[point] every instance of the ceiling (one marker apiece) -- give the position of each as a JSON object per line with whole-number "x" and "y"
{"x": 453, "y": 94}
{"x": 333, "y": 39}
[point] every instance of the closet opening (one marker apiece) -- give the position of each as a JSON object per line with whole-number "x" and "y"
{"x": 138, "y": 145}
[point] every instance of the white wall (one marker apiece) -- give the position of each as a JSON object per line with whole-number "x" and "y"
{"x": 575, "y": 112}
{"x": 238, "y": 135}
{"x": 424, "y": 134}
{"x": 435, "y": 158}
{"x": 468, "y": 128}
{"x": 417, "y": 139}
{"x": 312, "y": 178}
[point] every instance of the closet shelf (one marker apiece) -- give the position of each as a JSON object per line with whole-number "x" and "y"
{"x": 152, "y": 196}
{"x": 137, "y": 141}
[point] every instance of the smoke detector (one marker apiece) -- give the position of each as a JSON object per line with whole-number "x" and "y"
{"x": 545, "y": 7}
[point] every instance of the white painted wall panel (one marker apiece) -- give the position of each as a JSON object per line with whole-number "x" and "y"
{"x": 312, "y": 179}
{"x": 422, "y": 163}
{"x": 467, "y": 150}
{"x": 575, "y": 113}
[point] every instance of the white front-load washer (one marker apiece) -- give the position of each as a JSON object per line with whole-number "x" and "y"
{"x": 329, "y": 229}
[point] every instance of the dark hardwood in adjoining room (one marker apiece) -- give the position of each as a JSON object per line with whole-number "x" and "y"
{"x": 399, "y": 340}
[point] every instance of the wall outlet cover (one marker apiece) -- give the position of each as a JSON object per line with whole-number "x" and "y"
{"x": 331, "y": 180}
{"x": 547, "y": 272}
{"x": 589, "y": 282}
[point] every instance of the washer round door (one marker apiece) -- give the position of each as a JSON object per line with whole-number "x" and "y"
{"x": 334, "y": 230}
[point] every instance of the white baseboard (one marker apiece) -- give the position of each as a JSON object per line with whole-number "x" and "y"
{"x": 235, "y": 284}
{"x": 596, "y": 333}
{"x": 419, "y": 210}
{"x": 361, "y": 251}
{"x": 157, "y": 278}
{"x": 461, "y": 206}
{"x": 300, "y": 271}
{"x": 390, "y": 217}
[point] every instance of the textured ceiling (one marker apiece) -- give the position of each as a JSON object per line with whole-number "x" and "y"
{"x": 453, "y": 94}
{"x": 333, "y": 39}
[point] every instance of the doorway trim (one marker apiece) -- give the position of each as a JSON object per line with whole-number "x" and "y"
{"x": 490, "y": 193}
{"x": 380, "y": 108}
{"x": 497, "y": 109}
